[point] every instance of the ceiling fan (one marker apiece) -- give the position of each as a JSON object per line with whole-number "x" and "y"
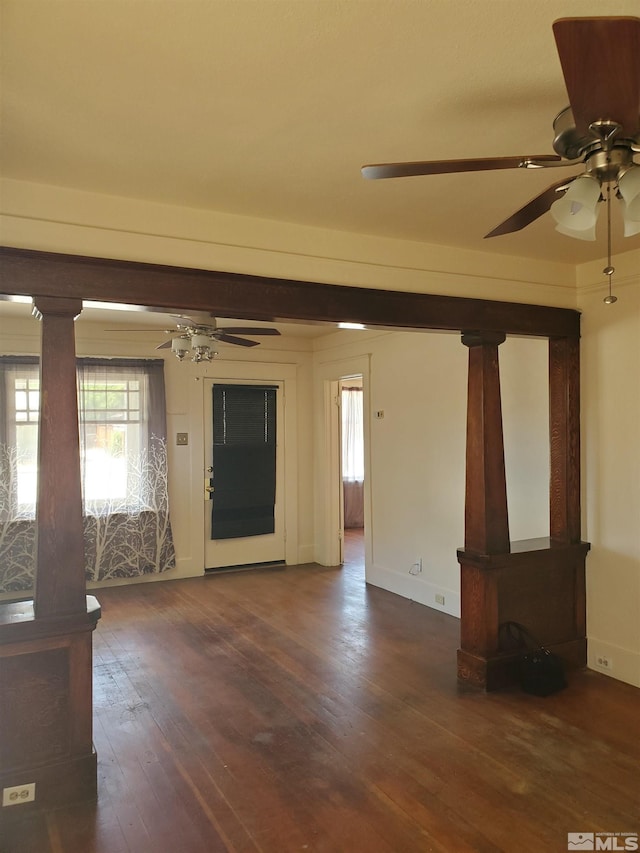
{"x": 600, "y": 59}
{"x": 201, "y": 338}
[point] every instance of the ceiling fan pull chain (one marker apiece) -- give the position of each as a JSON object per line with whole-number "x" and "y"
{"x": 609, "y": 270}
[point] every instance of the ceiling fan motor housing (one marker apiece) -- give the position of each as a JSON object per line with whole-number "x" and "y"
{"x": 568, "y": 142}
{"x": 603, "y": 138}
{"x": 609, "y": 165}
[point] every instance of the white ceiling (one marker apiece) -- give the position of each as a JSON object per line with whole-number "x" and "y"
{"x": 268, "y": 108}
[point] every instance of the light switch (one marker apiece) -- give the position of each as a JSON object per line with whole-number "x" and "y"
{"x": 182, "y": 438}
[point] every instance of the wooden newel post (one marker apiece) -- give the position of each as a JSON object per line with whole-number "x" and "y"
{"x": 486, "y": 518}
{"x": 60, "y": 586}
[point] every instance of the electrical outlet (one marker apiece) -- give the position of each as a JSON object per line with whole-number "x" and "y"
{"x": 604, "y": 662}
{"x": 19, "y": 794}
{"x": 440, "y": 599}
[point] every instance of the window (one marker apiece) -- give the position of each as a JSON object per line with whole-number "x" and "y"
{"x": 112, "y": 407}
{"x": 115, "y": 427}
{"x": 26, "y": 411}
{"x": 122, "y": 416}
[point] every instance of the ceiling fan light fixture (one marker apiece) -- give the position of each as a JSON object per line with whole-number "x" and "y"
{"x": 179, "y": 347}
{"x": 202, "y": 348}
{"x": 629, "y": 186}
{"x": 576, "y": 212}
{"x": 201, "y": 354}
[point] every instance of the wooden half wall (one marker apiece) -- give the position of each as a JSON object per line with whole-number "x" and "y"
{"x": 539, "y": 583}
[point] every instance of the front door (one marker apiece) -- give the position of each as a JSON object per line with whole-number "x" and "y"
{"x": 244, "y": 473}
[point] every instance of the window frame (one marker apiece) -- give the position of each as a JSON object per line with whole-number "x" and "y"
{"x": 26, "y": 368}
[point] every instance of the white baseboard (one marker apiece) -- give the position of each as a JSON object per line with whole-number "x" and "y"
{"x": 416, "y": 589}
{"x": 623, "y": 664}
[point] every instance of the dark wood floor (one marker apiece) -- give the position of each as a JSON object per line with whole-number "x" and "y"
{"x": 299, "y": 710}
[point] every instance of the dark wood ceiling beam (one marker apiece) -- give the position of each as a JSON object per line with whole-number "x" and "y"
{"x": 33, "y": 273}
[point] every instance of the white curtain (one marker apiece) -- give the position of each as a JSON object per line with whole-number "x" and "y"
{"x": 353, "y": 456}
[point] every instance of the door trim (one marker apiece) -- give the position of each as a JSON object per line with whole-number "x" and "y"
{"x": 247, "y": 371}
{"x": 256, "y": 549}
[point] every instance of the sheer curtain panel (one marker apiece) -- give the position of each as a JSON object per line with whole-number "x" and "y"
{"x": 353, "y": 456}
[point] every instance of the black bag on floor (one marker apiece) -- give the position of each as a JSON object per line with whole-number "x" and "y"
{"x": 540, "y": 672}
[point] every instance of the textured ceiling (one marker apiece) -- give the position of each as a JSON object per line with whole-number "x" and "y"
{"x": 268, "y": 108}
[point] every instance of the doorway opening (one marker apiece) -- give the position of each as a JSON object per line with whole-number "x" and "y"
{"x": 352, "y": 473}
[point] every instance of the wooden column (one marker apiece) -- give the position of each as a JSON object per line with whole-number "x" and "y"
{"x": 537, "y": 582}
{"x": 564, "y": 482}
{"x": 485, "y": 516}
{"x": 60, "y": 582}
{"x": 45, "y": 644}
{"x": 564, "y": 432}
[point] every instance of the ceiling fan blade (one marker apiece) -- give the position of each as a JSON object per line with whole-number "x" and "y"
{"x": 231, "y": 339}
{"x": 442, "y": 167}
{"x": 530, "y": 212}
{"x": 137, "y": 331}
{"x": 247, "y": 330}
{"x": 165, "y": 345}
{"x": 600, "y": 60}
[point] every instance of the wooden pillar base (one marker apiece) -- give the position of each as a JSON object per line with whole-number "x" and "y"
{"x": 46, "y": 706}
{"x": 57, "y": 785}
{"x": 539, "y": 584}
{"x": 501, "y": 670}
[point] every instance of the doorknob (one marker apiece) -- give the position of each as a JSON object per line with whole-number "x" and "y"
{"x": 209, "y": 489}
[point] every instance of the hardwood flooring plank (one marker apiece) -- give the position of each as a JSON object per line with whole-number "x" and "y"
{"x": 299, "y": 710}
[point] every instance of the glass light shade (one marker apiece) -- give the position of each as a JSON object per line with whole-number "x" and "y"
{"x": 576, "y": 211}
{"x": 179, "y": 347}
{"x": 629, "y": 185}
{"x": 584, "y": 234}
{"x": 631, "y": 225}
{"x": 198, "y": 341}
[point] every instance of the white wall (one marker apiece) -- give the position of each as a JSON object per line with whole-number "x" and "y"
{"x": 416, "y": 452}
{"x": 611, "y": 467}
